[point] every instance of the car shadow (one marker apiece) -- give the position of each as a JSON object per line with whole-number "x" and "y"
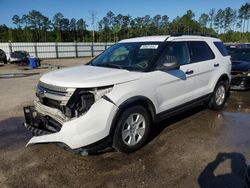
{"x": 157, "y": 128}
{"x": 234, "y": 179}
{"x": 161, "y": 125}
{"x": 12, "y": 133}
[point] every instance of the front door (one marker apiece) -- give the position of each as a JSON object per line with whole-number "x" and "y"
{"x": 174, "y": 87}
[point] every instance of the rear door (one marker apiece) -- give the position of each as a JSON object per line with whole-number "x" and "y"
{"x": 203, "y": 65}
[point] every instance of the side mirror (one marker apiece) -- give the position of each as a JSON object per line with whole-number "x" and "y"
{"x": 169, "y": 63}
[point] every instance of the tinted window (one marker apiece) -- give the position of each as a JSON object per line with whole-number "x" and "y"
{"x": 175, "y": 51}
{"x": 134, "y": 56}
{"x": 119, "y": 54}
{"x": 221, "y": 47}
{"x": 200, "y": 51}
{"x": 240, "y": 54}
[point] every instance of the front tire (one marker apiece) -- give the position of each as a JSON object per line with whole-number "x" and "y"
{"x": 5, "y": 60}
{"x": 219, "y": 96}
{"x": 132, "y": 129}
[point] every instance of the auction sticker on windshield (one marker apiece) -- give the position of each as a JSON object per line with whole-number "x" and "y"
{"x": 149, "y": 46}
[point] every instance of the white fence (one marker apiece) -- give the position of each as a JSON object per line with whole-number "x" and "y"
{"x": 56, "y": 50}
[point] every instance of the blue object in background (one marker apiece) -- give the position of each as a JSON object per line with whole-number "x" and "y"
{"x": 33, "y": 62}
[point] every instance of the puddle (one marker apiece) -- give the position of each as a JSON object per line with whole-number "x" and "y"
{"x": 235, "y": 130}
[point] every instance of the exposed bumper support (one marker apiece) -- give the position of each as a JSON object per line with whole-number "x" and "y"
{"x": 52, "y": 112}
{"x": 35, "y": 131}
{"x": 89, "y": 128}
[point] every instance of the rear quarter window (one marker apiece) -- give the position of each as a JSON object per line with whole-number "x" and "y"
{"x": 200, "y": 51}
{"x": 221, "y": 47}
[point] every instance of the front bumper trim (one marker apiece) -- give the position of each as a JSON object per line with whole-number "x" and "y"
{"x": 239, "y": 87}
{"x": 52, "y": 112}
{"x": 35, "y": 131}
{"x": 82, "y": 131}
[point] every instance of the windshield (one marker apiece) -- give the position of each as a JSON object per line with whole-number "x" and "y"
{"x": 19, "y": 54}
{"x": 240, "y": 54}
{"x": 134, "y": 56}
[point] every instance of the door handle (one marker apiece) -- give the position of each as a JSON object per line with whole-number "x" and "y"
{"x": 189, "y": 71}
{"x": 216, "y": 64}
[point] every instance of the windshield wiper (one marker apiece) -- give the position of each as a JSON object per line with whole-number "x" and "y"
{"x": 110, "y": 65}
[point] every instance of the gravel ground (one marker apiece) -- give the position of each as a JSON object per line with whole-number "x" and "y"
{"x": 199, "y": 148}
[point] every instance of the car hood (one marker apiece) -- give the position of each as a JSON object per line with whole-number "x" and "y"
{"x": 86, "y": 76}
{"x": 242, "y": 66}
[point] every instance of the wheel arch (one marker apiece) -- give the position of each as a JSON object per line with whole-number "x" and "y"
{"x": 211, "y": 103}
{"x": 136, "y": 100}
{"x": 223, "y": 77}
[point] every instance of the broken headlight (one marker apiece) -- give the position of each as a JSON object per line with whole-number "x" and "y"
{"x": 82, "y": 99}
{"x": 248, "y": 74}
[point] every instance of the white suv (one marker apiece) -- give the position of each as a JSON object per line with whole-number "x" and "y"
{"x": 118, "y": 96}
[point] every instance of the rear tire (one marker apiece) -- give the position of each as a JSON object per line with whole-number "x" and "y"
{"x": 219, "y": 96}
{"x": 132, "y": 129}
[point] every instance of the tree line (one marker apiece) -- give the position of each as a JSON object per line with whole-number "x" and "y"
{"x": 231, "y": 25}
{"x": 35, "y": 27}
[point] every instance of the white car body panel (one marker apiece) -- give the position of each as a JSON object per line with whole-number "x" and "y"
{"x": 85, "y": 76}
{"x": 82, "y": 131}
{"x": 165, "y": 89}
{"x": 158, "y": 81}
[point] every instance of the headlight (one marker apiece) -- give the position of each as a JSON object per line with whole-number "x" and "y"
{"x": 248, "y": 74}
{"x": 100, "y": 92}
{"x": 82, "y": 99}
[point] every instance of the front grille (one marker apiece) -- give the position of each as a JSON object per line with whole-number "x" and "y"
{"x": 236, "y": 80}
{"x": 41, "y": 90}
{"x": 53, "y": 96}
{"x": 235, "y": 73}
{"x": 51, "y": 103}
{"x": 237, "y": 77}
{"x": 52, "y": 87}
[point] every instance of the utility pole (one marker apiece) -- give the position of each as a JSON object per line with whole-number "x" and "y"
{"x": 93, "y": 15}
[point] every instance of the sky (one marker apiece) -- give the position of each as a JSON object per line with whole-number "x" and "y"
{"x": 81, "y": 8}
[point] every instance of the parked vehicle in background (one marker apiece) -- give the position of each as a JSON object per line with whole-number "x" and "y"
{"x": 240, "y": 68}
{"x": 21, "y": 57}
{"x": 118, "y": 96}
{"x": 3, "y": 57}
{"x": 236, "y": 45}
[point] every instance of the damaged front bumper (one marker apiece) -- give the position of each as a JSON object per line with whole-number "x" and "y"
{"x": 39, "y": 124}
{"x": 240, "y": 82}
{"x": 49, "y": 125}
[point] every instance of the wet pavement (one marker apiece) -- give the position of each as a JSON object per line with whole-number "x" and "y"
{"x": 198, "y": 148}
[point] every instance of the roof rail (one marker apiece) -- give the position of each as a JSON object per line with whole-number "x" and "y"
{"x": 194, "y": 34}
